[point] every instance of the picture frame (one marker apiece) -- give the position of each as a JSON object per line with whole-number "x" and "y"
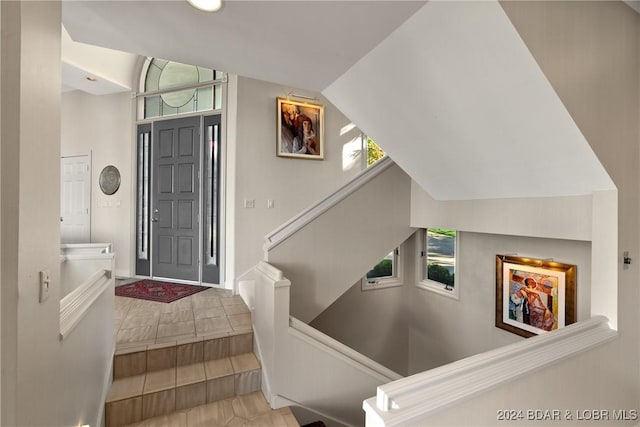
{"x": 300, "y": 129}
{"x": 534, "y": 296}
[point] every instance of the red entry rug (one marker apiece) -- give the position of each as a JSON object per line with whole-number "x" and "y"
{"x": 154, "y": 290}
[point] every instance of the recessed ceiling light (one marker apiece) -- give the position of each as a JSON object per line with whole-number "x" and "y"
{"x": 206, "y": 5}
{"x": 92, "y": 79}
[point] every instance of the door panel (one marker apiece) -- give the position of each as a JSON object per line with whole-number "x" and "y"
{"x": 75, "y": 199}
{"x": 185, "y": 251}
{"x": 165, "y": 179}
{"x": 165, "y": 250}
{"x": 165, "y": 215}
{"x": 187, "y": 147}
{"x": 186, "y": 178}
{"x": 185, "y": 215}
{"x": 176, "y": 198}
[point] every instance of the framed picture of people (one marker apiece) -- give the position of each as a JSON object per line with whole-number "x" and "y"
{"x": 300, "y": 129}
{"x": 534, "y": 296}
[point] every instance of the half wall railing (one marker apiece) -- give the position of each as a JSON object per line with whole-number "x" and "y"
{"x": 302, "y": 365}
{"x": 87, "y": 340}
{"x": 329, "y": 247}
{"x": 410, "y": 400}
{"x": 305, "y": 217}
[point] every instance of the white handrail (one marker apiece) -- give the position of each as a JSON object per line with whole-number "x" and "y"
{"x": 75, "y": 305}
{"x": 87, "y": 256}
{"x": 289, "y": 228}
{"x": 405, "y": 401}
{"x": 358, "y": 360}
{"x": 85, "y": 247}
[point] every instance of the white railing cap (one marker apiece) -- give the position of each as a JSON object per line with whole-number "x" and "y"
{"x": 419, "y": 395}
{"x": 289, "y": 228}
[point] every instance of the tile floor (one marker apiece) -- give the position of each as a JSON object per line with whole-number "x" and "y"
{"x": 207, "y": 313}
{"x": 141, "y": 324}
{"x": 250, "y": 410}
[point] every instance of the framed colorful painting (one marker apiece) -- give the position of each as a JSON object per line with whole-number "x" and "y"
{"x": 534, "y": 296}
{"x": 300, "y": 129}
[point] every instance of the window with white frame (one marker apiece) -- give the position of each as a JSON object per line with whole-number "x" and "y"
{"x": 439, "y": 259}
{"x": 172, "y": 88}
{"x": 384, "y": 274}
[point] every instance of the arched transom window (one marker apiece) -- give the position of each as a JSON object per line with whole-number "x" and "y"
{"x": 172, "y": 88}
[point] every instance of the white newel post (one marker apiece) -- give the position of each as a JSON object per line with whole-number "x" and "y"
{"x": 271, "y": 323}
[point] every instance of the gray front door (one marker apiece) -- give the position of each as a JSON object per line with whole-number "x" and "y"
{"x": 176, "y": 198}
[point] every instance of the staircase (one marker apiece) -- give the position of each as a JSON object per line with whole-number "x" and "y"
{"x": 215, "y": 380}
{"x": 327, "y": 248}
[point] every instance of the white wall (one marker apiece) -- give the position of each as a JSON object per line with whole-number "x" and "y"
{"x": 553, "y": 217}
{"x": 294, "y": 184}
{"x": 31, "y": 389}
{"x": 88, "y": 357}
{"x": 410, "y": 329}
{"x": 443, "y": 329}
{"x": 375, "y": 322}
{"x": 589, "y": 51}
{"x": 325, "y": 257}
{"x": 103, "y": 126}
{"x": 469, "y": 90}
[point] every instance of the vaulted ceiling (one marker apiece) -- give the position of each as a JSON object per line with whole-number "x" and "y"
{"x": 303, "y": 44}
{"x": 448, "y": 89}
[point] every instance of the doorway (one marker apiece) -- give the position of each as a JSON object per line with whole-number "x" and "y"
{"x": 178, "y": 200}
{"x": 75, "y": 199}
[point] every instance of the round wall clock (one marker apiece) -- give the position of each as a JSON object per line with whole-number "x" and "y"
{"x": 109, "y": 180}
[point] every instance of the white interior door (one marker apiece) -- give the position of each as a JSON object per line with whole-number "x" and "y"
{"x": 75, "y": 199}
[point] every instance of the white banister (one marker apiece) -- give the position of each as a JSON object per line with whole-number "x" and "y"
{"x": 355, "y": 359}
{"x": 85, "y": 248}
{"x": 405, "y": 401}
{"x": 270, "y": 271}
{"x": 289, "y": 228}
{"x": 303, "y": 365}
{"x": 76, "y": 304}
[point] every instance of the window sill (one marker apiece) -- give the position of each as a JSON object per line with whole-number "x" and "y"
{"x": 380, "y": 284}
{"x": 439, "y": 288}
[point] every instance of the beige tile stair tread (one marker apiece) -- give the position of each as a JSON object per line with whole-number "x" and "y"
{"x": 134, "y": 360}
{"x": 250, "y": 410}
{"x": 218, "y": 368}
{"x": 165, "y": 379}
{"x": 160, "y": 380}
{"x": 244, "y": 362}
{"x": 125, "y": 388}
{"x": 190, "y": 374}
{"x": 184, "y": 352}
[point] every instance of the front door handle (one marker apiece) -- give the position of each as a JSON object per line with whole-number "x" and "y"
{"x": 154, "y": 219}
